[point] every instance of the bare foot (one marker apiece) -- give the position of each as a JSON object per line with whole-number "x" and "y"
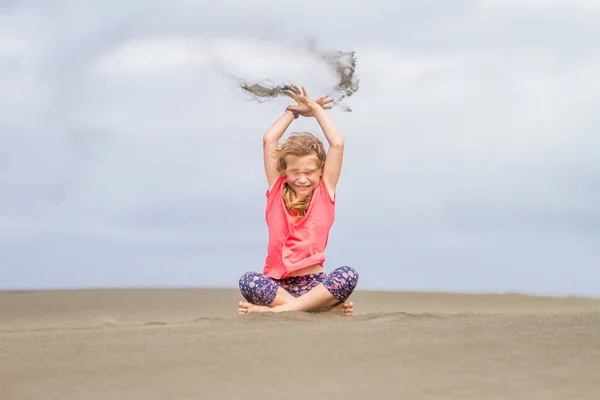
{"x": 344, "y": 309}
{"x": 245, "y": 307}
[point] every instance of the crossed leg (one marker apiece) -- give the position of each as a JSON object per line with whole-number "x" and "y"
{"x": 264, "y": 295}
{"x": 317, "y": 300}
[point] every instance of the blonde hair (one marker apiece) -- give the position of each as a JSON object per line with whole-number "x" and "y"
{"x": 300, "y": 145}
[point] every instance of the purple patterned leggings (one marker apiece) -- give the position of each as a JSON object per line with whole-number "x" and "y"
{"x": 261, "y": 290}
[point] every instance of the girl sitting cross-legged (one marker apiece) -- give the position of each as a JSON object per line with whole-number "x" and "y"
{"x": 300, "y": 211}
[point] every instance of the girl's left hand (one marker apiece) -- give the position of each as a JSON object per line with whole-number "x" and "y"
{"x": 305, "y": 105}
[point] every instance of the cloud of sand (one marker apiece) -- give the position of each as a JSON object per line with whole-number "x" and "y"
{"x": 343, "y": 64}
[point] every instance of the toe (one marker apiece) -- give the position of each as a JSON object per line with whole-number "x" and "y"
{"x": 243, "y": 307}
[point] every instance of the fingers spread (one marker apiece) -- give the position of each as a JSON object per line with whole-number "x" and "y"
{"x": 295, "y": 88}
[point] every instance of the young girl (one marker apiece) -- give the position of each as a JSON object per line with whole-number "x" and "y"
{"x": 300, "y": 212}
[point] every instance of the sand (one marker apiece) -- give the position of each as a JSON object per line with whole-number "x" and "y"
{"x": 190, "y": 344}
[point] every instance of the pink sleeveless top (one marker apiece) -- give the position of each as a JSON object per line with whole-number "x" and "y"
{"x": 297, "y": 243}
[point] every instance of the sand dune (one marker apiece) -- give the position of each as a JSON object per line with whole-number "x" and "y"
{"x": 190, "y": 344}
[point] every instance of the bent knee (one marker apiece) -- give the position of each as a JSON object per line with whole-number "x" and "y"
{"x": 257, "y": 288}
{"x": 248, "y": 277}
{"x": 347, "y": 273}
{"x": 353, "y": 273}
{"x": 341, "y": 282}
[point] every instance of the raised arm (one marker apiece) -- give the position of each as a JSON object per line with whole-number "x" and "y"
{"x": 271, "y": 142}
{"x": 275, "y": 132}
{"x": 335, "y": 154}
{"x": 310, "y": 108}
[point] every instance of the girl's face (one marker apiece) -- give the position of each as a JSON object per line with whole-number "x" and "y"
{"x": 302, "y": 174}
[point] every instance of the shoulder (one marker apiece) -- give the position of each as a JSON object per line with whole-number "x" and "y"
{"x": 328, "y": 193}
{"x": 276, "y": 185}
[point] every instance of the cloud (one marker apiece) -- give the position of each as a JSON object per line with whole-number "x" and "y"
{"x": 471, "y": 159}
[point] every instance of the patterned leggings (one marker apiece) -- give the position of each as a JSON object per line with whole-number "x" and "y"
{"x": 261, "y": 290}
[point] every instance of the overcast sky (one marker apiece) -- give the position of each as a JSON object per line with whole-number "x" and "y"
{"x": 129, "y": 157}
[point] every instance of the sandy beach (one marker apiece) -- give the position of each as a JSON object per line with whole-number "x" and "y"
{"x": 191, "y": 344}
